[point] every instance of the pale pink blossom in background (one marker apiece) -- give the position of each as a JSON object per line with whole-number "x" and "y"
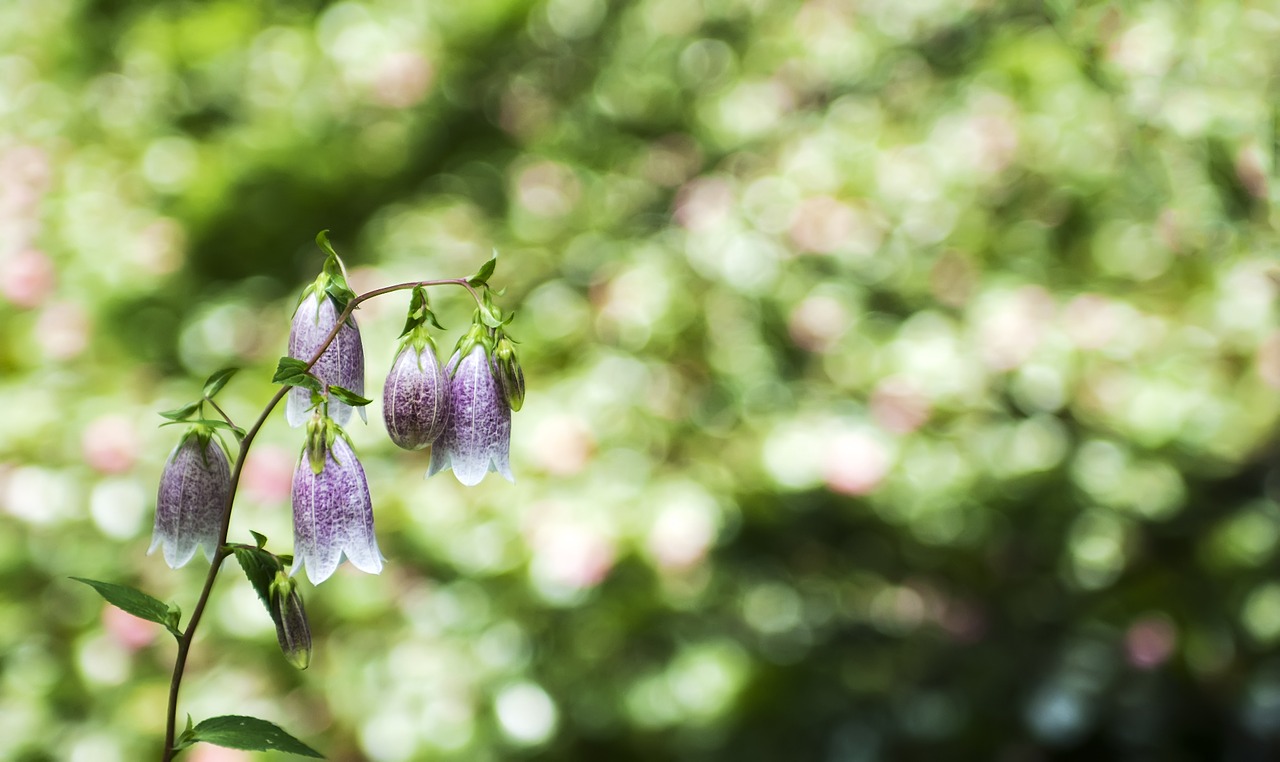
{"x": 1011, "y": 331}
{"x": 62, "y": 330}
{"x": 564, "y": 445}
{"x": 548, "y": 189}
{"x": 268, "y": 473}
{"x": 823, "y": 225}
{"x": 128, "y": 630}
{"x": 161, "y": 246}
{"x": 1092, "y": 321}
{"x": 681, "y": 536}
{"x": 110, "y": 444}
{"x": 1150, "y": 641}
{"x": 856, "y": 463}
{"x": 206, "y": 752}
{"x": 704, "y": 203}
{"x": 898, "y": 406}
{"x": 27, "y": 278}
{"x": 818, "y": 322}
{"x": 571, "y": 555}
{"x": 402, "y": 79}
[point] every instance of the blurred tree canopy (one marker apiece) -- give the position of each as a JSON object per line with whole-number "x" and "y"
{"x": 902, "y": 375}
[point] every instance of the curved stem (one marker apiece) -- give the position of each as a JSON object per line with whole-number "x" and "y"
{"x": 220, "y": 555}
{"x": 221, "y": 412}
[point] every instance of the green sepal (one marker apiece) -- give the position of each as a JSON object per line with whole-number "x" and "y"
{"x": 348, "y": 396}
{"x": 182, "y": 413}
{"x": 321, "y": 433}
{"x": 247, "y": 733}
{"x": 136, "y": 602}
{"x": 482, "y": 275}
{"x": 208, "y": 424}
{"x": 259, "y": 538}
{"x": 333, "y": 279}
{"x": 218, "y": 380}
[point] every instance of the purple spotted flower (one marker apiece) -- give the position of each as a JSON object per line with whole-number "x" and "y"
{"x": 477, "y": 436}
{"x": 342, "y": 364}
{"x": 194, "y": 487}
{"x": 332, "y": 511}
{"x": 415, "y": 398}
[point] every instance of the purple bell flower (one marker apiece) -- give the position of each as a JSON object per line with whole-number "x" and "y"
{"x": 342, "y": 364}
{"x": 477, "y": 436}
{"x": 415, "y": 398}
{"x": 194, "y": 488}
{"x": 332, "y": 510}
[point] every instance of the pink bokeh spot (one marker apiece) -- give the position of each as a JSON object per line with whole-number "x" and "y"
{"x": 680, "y": 537}
{"x": 564, "y": 445}
{"x": 27, "y": 278}
{"x": 1150, "y": 641}
{"x": 403, "y": 79}
{"x": 703, "y": 203}
{"x": 268, "y": 474}
{"x": 128, "y": 630}
{"x": 573, "y": 555}
{"x": 62, "y": 330}
{"x": 205, "y": 752}
{"x": 856, "y": 464}
{"x": 1009, "y": 335}
{"x": 898, "y": 406}
{"x": 818, "y": 323}
{"x": 110, "y": 444}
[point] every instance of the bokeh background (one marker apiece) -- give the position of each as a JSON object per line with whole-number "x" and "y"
{"x": 902, "y": 376}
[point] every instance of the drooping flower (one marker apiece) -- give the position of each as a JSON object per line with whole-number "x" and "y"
{"x": 342, "y": 363}
{"x": 415, "y": 398}
{"x": 332, "y": 510}
{"x": 292, "y": 629}
{"x": 194, "y": 488}
{"x": 477, "y": 436}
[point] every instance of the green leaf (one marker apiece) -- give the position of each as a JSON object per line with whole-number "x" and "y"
{"x": 348, "y": 396}
{"x": 135, "y": 602}
{"x": 482, "y": 275}
{"x": 288, "y": 367}
{"x": 259, "y": 538}
{"x": 250, "y": 734}
{"x": 213, "y": 423}
{"x": 217, "y": 381}
{"x": 182, "y": 413}
{"x": 292, "y": 372}
{"x": 260, "y": 568}
{"x": 322, "y": 240}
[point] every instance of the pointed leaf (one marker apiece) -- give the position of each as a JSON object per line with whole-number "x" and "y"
{"x": 218, "y": 380}
{"x": 134, "y": 602}
{"x": 287, "y": 368}
{"x": 260, "y": 568}
{"x": 482, "y": 275}
{"x": 182, "y": 413}
{"x": 250, "y": 734}
{"x": 349, "y": 397}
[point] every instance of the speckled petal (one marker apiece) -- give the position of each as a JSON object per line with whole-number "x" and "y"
{"x": 342, "y": 364}
{"x": 193, "y": 493}
{"x": 415, "y": 399}
{"x": 477, "y": 437}
{"x": 333, "y": 516}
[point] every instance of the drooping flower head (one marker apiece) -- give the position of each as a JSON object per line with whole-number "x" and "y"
{"x": 194, "y": 488}
{"x": 415, "y": 398}
{"x": 342, "y": 363}
{"x": 477, "y": 436}
{"x": 332, "y": 510}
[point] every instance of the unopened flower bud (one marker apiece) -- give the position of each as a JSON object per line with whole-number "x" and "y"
{"x": 477, "y": 436}
{"x": 194, "y": 488}
{"x": 292, "y": 630}
{"x": 332, "y": 510}
{"x": 415, "y": 398}
{"x": 508, "y": 373}
{"x": 342, "y": 363}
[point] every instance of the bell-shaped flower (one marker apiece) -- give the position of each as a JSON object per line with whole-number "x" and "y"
{"x": 477, "y": 436}
{"x": 342, "y": 363}
{"x": 194, "y": 488}
{"x": 415, "y": 398}
{"x": 332, "y": 510}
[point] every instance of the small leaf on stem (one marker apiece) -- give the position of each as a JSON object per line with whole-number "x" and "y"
{"x": 182, "y": 413}
{"x": 482, "y": 275}
{"x": 218, "y": 380}
{"x": 348, "y": 396}
{"x": 135, "y": 602}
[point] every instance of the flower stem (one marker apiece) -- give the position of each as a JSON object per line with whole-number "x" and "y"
{"x": 220, "y": 555}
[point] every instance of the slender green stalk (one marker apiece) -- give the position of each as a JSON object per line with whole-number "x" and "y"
{"x": 188, "y": 635}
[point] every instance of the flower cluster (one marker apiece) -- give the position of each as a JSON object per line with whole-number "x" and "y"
{"x": 461, "y": 410}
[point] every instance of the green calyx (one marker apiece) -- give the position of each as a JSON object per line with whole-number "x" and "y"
{"x": 477, "y": 335}
{"x": 332, "y": 280}
{"x": 416, "y": 331}
{"x": 321, "y": 433}
{"x": 507, "y": 371}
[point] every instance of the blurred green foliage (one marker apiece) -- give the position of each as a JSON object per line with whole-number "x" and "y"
{"x": 902, "y": 375}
